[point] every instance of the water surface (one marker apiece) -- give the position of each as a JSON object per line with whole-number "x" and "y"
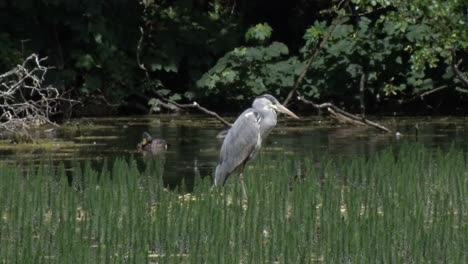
{"x": 194, "y": 147}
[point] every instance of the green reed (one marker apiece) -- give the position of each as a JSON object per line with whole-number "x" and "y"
{"x": 403, "y": 207}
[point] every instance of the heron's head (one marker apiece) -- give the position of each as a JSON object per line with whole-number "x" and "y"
{"x": 271, "y": 102}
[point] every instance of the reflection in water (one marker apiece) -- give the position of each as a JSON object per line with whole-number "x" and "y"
{"x": 194, "y": 148}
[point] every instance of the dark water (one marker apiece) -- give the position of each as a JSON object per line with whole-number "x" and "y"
{"x": 193, "y": 146}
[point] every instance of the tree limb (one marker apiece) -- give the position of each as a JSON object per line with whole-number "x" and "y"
{"x": 202, "y": 109}
{"x": 459, "y": 74}
{"x": 316, "y": 52}
{"x": 138, "y": 51}
{"x": 362, "y": 86}
{"x": 426, "y": 93}
{"x": 344, "y": 116}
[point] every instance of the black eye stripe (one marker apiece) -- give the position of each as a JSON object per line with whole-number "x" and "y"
{"x": 269, "y": 97}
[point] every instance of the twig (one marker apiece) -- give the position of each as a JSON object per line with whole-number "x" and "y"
{"x": 232, "y": 8}
{"x": 457, "y": 71}
{"x": 24, "y": 102}
{"x": 203, "y": 109}
{"x": 140, "y": 42}
{"x": 423, "y": 94}
{"x": 426, "y": 93}
{"x": 344, "y": 116}
{"x": 335, "y": 23}
{"x": 368, "y": 12}
{"x": 362, "y": 85}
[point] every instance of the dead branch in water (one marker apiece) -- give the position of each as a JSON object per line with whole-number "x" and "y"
{"x": 162, "y": 101}
{"x": 24, "y": 102}
{"x": 195, "y": 105}
{"x": 344, "y": 116}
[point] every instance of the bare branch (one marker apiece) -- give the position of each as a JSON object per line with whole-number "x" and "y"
{"x": 140, "y": 42}
{"x": 362, "y": 87}
{"x": 426, "y": 93}
{"x": 461, "y": 90}
{"x": 344, "y": 116}
{"x": 459, "y": 73}
{"x": 455, "y": 68}
{"x": 202, "y": 109}
{"x": 24, "y": 102}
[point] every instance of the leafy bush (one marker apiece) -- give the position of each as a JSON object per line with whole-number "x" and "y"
{"x": 246, "y": 72}
{"x": 259, "y": 34}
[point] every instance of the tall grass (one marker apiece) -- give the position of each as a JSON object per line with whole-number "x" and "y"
{"x": 406, "y": 207}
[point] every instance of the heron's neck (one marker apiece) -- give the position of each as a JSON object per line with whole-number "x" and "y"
{"x": 268, "y": 113}
{"x": 268, "y": 121}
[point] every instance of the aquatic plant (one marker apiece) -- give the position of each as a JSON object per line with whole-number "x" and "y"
{"x": 399, "y": 206}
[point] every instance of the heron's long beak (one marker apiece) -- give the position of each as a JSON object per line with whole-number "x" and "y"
{"x": 284, "y": 110}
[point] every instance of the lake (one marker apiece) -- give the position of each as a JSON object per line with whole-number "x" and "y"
{"x": 194, "y": 147}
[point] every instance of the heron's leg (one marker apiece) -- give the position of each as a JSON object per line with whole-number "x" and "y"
{"x": 241, "y": 177}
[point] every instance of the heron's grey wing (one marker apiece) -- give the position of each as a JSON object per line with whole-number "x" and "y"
{"x": 239, "y": 145}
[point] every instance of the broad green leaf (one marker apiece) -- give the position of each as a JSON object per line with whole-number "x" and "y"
{"x": 163, "y": 92}
{"x": 354, "y": 70}
{"x": 85, "y": 62}
{"x": 259, "y": 33}
{"x": 175, "y": 97}
{"x": 417, "y": 32}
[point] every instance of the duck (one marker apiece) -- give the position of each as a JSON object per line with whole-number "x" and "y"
{"x": 149, "y": 145}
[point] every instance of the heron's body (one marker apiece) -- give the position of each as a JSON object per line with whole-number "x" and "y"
{"x": 244, "y": 139}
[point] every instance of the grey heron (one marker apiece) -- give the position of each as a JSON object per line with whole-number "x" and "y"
{"x": 244, "y": 139}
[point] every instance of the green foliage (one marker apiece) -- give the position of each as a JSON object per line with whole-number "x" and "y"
{"x": 351, "y": 51}
{"x": 250, "y": 71}
{"x": 93, "y": 44}
{"x": 9, "y": 56}
{"x": 183, "y": 37}
{"x": 404, "y": 48}
{"x": 393, "y": 51}
{"x": 259, "y": 34}
{"x": 399, "y": 51}
{"x": 434, "y": 29}
{"x": 314, "y": 33}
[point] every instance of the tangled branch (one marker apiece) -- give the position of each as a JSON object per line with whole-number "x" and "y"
{"x": 461, "y": 76}
{"x": 24, "y": 102}
{"x": 344, "y": 116}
